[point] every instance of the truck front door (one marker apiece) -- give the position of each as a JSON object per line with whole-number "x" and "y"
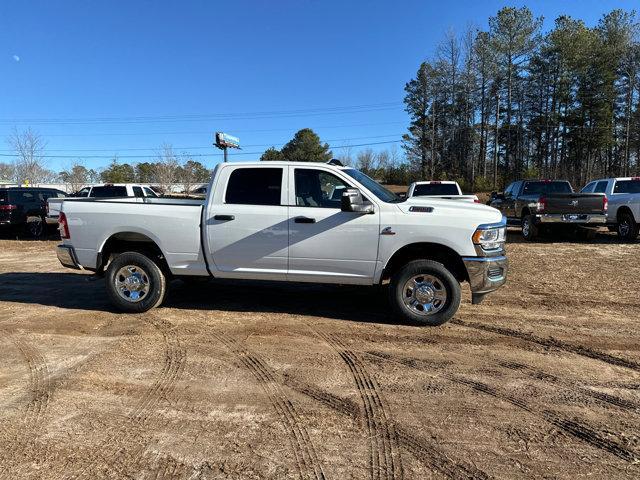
{"x": 246, "y": 223}
{"x": 325, "y": 243}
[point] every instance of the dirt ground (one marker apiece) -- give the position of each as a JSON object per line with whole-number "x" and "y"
{"x": 253, "y": 380}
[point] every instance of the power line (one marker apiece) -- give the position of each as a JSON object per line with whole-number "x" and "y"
{"x": 202, "y": 117}
{"x": 200, "y": 155}
{"x": 208, "y": 132}
{"x": 115, "y": 149}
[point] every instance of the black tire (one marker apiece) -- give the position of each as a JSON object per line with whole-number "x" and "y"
{"x": 432, "y": 268}
{"x": 157, "y": 283}
{"x": 627, "y": 228}
{"x": 529, "y": 228}
{"x": 35, "y": 227}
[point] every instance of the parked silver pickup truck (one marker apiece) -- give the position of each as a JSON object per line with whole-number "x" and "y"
{"x": 623, "y": 213}
{"x": 284, "y": 221}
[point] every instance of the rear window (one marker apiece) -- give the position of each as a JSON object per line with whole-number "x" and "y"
{"x": 435, "y": 189}
{"x": 627, "y": 186}
{"x": 109, "y": 191}
{"x": 535, "y": 188}
{"x": 254, "y": 186}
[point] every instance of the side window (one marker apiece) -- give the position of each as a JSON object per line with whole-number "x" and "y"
{"x": 150, "y": 193}
{"x": 588, "y": 188}
{"x": 109, "y": 191}
{"x": 317, "y": 188}
{"x": 84, "y": 192}
{"x": 254, "y": 186}
{"x": 627, "y": 186}
{"x": 601, "y": 187}
{"x": 137, "y": 192}
{"x": 28, "y": 197}
{"x": 509, "y": 190}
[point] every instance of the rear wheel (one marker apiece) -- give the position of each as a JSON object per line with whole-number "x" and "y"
{"x": 627, "y": 227}
{"x": 424, "y": 292}
{"x": 135, "y": 283}
{"x": 529, "y": 228}
{"x": 35, "y": 227}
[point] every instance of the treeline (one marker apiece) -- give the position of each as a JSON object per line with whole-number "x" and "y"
{"x": 29, "y": 167}
{"x": 511, "y": 102}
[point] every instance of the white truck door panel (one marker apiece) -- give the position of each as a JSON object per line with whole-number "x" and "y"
{"x": 248, "y": 239}
{"x": 325, "y": 243}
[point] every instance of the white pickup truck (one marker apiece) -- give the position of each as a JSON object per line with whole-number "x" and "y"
{"x": 279, "y": 221}
{"x": 107, "y": 190}
{"x": 623, "y": 212}
{"x": 445, "y": 189}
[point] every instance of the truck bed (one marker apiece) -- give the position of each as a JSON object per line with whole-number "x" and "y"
{"x": 172, "y": 223}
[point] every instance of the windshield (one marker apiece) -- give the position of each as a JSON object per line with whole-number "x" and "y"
{"x": 373, "y": 186}
{"x": 536, "y": 188}
{"x": 426, "y": 189}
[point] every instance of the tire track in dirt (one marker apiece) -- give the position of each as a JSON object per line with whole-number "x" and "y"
{"x": 385, "y": 461}
{"x": 113, "y": 454}
{"x": 40, "y": 390}
{"x": 551, "y": 342}
{"x": 307, "y": 462}
{"x": 573, "y": 428}
{"x": 426, "y": 452}
{"x": 580, "y": 431}
{"x": 537, "y": 374}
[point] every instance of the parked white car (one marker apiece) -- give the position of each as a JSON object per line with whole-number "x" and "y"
{"x": 445, "y": 189}
{"x": 106, "y": 190}
{"x": 623, "y": 213}
{"x": 280, "y": 221}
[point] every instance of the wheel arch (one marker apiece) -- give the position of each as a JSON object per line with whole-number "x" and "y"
{"x": 624, "y": 209}
{"x": 128, "y": 241}
{"x": 427, "y": 251}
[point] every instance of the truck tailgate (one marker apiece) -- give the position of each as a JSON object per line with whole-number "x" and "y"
{"x": 575, "y": 203}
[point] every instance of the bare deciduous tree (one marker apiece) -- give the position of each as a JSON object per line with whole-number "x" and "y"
{"x": 166, "y": 167}
{"x": 29, "y": 166}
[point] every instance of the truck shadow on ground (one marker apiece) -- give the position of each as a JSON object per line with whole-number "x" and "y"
{"x": 603, "y": 236}
{"x": 79, "y": 292}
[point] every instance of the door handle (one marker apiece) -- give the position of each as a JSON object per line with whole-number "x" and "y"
{"x": 304, "y": 220}
{"x": 226, "y": 218}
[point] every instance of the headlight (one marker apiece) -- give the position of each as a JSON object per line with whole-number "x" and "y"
{"x": 490, "y": 238}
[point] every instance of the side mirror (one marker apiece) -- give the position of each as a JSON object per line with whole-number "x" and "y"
{"x": 352, "y": 201}
{"x": 402, "y": 195}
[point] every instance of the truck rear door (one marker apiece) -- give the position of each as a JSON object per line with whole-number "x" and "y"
{"x": 246, "y": 222}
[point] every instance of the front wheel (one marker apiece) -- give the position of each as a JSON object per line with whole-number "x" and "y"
{"x": 627, "y": 227}
{"x": 135, "y": 283}
{"x": 424, "y": 292}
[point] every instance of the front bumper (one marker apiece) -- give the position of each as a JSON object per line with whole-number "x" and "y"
{"x": 570, "y": 218}
{"x": 67, "y": 256}
{"x": 486, "y": 274}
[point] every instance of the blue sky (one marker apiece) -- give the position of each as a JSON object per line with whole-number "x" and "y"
{"x": 100, "y": 78}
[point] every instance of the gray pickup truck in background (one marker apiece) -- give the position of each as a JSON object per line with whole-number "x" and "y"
{"x": 623, "y": 214}
{"x": 550, "y": 205}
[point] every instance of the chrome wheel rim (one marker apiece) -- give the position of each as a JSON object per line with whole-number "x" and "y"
{"x": 132, "y": 283}
{"x": 424, "y": 295}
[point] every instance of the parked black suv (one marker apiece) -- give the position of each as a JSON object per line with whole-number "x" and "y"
{"x": 25, "y": 208}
